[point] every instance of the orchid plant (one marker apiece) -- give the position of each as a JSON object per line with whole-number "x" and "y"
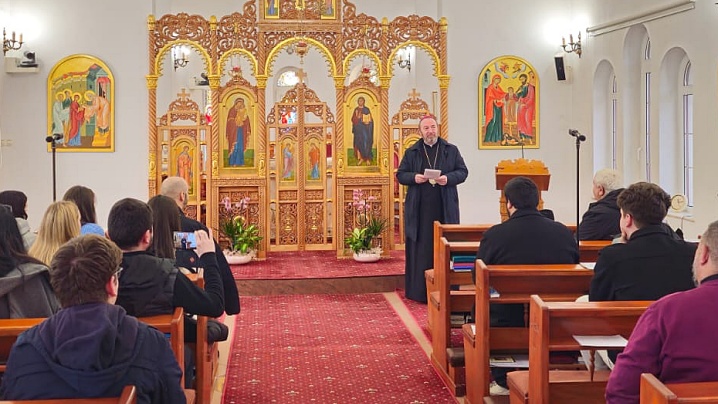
{"x": 369, "y": 226}
{"x": 244, "y": 237}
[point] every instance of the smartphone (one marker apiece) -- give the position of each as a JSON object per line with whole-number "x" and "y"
{"x": 184, "y": 240}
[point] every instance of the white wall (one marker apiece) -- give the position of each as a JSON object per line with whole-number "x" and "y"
{"x": 116, "y": 32}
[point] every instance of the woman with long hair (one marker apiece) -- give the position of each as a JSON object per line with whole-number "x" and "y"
{"x": 18, "y": 203}
{"x": 166, "y": 221}
{"x": 25, "y": 289}
{"x": 60, "y": 223}
{"x": 84, "y": 198}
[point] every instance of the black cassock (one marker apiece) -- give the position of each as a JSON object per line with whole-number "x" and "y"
{"x": 420, "y": 252}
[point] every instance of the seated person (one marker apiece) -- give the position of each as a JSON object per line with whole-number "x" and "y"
{"x": 150, "y": 285}
{"x": 25, "y": 289}
{"x": 672, "y": 339}
{"x": 177, "y": 189}
{"x": 527, "y": 237}
{"x": 91, "y": 348}
{"x": 17, "y": 201}
{"x": 600, "y": 222}
{"x": 652, "y": 262}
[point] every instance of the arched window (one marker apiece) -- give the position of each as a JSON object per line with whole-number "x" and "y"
{"x": 614, "y": 122}
{"x": 288, "y": 79}
{"x": 687, "y": 90}
{"x": 647, "y": 106}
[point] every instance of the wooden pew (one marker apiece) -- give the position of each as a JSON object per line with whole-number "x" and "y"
{"x": 206, "y": 353}
{"x": 172, "y": 324}
{"x": 589, "y": 249}
{"x": 452, "y": 232}
{"x": 444, "y": 301}
{"x": 515, "y": 284}
{"x": 552, "y": 328}
{"x": 10, "y": 329}
{"x": 653, "y": 391}
{"x": 128, "y": 396}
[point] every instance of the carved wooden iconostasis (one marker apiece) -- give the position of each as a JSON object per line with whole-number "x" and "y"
{"x": 300, "y": 154}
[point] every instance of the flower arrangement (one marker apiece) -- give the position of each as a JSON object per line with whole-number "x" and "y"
{"x": 243, "y": 237}
{"x": 369, "y": 225}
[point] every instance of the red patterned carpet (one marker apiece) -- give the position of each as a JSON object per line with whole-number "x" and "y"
{"x": 327, "y": 349}
{"x": 317, "y": 264}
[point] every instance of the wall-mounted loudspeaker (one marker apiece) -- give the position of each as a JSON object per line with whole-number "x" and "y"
{"x": 560, "y": 68}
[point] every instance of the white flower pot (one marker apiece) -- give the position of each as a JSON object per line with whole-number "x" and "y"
{"x": 367, "y": 256}
{"x": 235, "y": 258}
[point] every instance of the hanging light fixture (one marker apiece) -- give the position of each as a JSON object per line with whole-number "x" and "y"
{"x": 180, "y": 56}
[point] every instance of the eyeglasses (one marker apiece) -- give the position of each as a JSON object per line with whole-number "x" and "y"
{"x": 117, "y": 273}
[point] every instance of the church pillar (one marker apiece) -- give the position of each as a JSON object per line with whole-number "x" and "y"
{"x": 261, "y": 136}
{"x": 444, "y": 104}
{"x": 338, "y": 155}
{"x": 152, "y": 118}
{"x": 213, "y": 76}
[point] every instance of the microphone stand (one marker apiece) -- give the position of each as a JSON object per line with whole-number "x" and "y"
{"x": 579, "y": 138}
{"x": 53, "y": 145}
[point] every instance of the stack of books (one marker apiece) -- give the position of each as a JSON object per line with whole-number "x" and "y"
{"x": 463, "y": 263}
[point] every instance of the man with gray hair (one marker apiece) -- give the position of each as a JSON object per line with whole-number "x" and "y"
{"x": 672, "y": 339}
{"x": 177, "y": 189}
{"x": 600, "y": 222}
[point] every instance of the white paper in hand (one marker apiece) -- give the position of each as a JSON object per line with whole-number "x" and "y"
{"x": 432, "y": 174}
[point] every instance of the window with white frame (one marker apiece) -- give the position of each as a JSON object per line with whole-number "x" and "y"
{"x": 614, "y": 122}
{"x": 687, "y": 90}
{"x": 647, "y": 107}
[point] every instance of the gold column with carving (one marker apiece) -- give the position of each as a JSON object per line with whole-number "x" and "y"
{"x": 152, "y": 115}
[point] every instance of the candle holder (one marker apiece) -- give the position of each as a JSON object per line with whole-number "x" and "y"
{"x": 571, "y": 46}
{"x": 10, "y": 43}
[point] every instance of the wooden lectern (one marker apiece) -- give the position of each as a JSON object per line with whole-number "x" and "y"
{"x": 508, "y": 169}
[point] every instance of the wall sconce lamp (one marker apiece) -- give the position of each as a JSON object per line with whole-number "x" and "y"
{"x": 404, "y": 58}
{"x": 180, "y": 56}
{"x": 572, "y": 46}
{"x": 10, "y": 43}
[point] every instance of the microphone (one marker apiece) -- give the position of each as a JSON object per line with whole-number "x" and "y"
{"x": 55, "y": 137}
{"x": 575, "y": 133}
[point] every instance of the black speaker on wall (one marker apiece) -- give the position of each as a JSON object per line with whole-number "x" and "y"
{"x": 560, "y": 68}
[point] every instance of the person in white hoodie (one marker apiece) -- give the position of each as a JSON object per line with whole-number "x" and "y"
{"x": 17, "y": 201}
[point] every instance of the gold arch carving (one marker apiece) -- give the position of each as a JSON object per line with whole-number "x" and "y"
{"x": 419, "y": 44}
{"x": 239, "y": 52}
{"x": 158, "y": 66}
{"x": 272, "y": 56}
{"x": 363, "y": 52}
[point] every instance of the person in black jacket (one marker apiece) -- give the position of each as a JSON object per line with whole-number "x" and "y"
{"x": 651, "y": 262}
{"x": 91, "y": 348}
{"x": 600, "y": 222}
{"x": 150, "y": 285}
{"x": 527, "y": 237}
{"x": 427, "y": 200}
{"x": 177, "y": 189}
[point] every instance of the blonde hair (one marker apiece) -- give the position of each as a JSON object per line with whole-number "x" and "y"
{"x": 59, "y": 225}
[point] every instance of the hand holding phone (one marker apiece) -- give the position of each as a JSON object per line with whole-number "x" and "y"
{"x": 205, "y": 242}
{"x": 184, "y": 240}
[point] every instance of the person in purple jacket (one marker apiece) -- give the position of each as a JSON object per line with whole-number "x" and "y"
{"x": 672, "y": 339}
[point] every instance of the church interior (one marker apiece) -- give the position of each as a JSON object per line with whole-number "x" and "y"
{"x": 282, "y": 110}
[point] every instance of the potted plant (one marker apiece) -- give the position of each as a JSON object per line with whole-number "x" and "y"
{"x": 369, "y": 226}
{"x": 243, "y": 236}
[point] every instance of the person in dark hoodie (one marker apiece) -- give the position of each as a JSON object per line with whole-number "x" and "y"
{"x": 91, "y": 348}
{"x": 600, "y": 222}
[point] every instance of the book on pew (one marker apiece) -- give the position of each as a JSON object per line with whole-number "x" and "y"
{"x": 513, "y": 361}
{"x": 601, "y": 341}
{"x": 494, "y": 293}
{"x": 461, "y": 263}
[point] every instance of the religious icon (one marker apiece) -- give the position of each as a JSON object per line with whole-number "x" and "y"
{"x": 81, "y": 104}
{"x": 314, "y": 158}
{"x": 363, "y": 131}
{"x": 288, "y": 162}
{"x": 328, "y": 9}
{"x": 508, "y": 104}
{"x": 271, "y": 9}
{"x": 237, "y": 125}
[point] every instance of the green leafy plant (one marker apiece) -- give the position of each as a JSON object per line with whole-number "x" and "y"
{"x": 243, "y": 236}
{"x": 368, "y": 225}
